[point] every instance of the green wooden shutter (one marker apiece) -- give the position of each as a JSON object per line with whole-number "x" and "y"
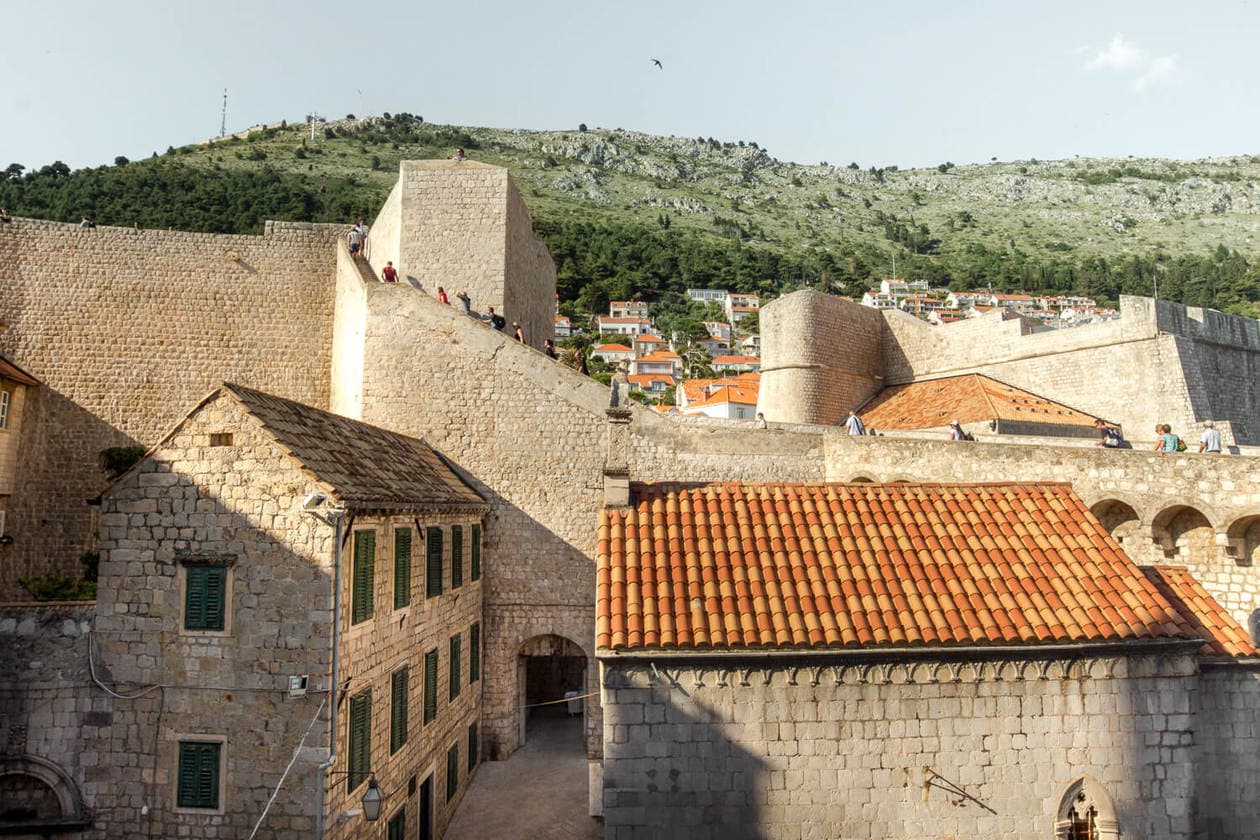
{"x": 474, "y": 748}
{"x": 430, "y": 685}
{"x": 360, "y": 748}
{"x": 198, "y": 783}
{"x": 398, "y": 825}
{"x": 474, "y": 652}
{"x": 398, "y": 710}
{"x": 402, "y": 567}
{"x": 205, "y": 597}
{"x": 457, "y": 556}
{"x": 476, "y": 553}
{"x": 362, "y": 595}
{"x": 433, "y": 563}
{"x": 454, "y": 666}
{"x": 452, "y": 771}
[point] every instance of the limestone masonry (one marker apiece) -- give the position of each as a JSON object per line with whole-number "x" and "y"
{"x": 126, "y": 333}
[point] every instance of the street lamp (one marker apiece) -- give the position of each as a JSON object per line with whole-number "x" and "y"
{"x": 372, "y": 799}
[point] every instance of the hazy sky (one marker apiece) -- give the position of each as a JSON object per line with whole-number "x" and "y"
{"x": 910, "y": 83}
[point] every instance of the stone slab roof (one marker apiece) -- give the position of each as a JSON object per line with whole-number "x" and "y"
{"x": 808, "y": 566}
{"x": 8, "y": 370}
{"x": 1200, "y": 613}
{"x": 970, "y": 398}
{"x": 363, "y": 465}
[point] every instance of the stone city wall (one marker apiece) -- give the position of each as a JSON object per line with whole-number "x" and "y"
{"x": 754, "y": 749}
{"x": 128, "y": 329}
{"x": 1228, "y": 720}
{"x": 529, "y": 295}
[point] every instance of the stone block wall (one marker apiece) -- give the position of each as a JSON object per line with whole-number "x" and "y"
{"x": 820, "y": 357}
{"x": 128, "y": 329}
{"x": 239, "y": 504}
{"x": 756, "y": 749}
{"x": 529, "y": 293}
{"x": 1228, "y": 789}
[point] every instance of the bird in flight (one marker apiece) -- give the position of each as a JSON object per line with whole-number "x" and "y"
{"x": 658, "y": 64}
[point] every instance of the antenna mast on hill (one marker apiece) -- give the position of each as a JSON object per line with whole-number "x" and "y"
{"x": 313, "y": 118}
{"x": 223, "y": 120}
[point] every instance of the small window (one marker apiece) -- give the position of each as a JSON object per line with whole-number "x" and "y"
{"x": 359, "y": 753}
{"x": 452, "y": 771}
{"x": 454, "y": 688}
{"x": 398, "y": 710}
{"x": 200, "y": 765}
{"x": 474, "y": 653}
{"x": 205, "y": 597}
{"x": 430, "y": 685}
{"x": 363, "y": 577}
{"x": 457, "y": 556}
{"x": 474, "y": 749}
{"x": 402, "y": 568}
{"x": 433, "y": 563}
{"x": 4, "y": 409}
{"x": 398, "y": 825}
{"x": 475, "y": 571}
{"x": 220, "y": 438}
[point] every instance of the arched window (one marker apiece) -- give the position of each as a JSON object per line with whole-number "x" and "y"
{"x": 1086, "y": 813}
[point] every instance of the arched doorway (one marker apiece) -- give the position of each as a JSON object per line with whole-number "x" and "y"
{"x": 1086, "y": 812}
{"x": 37, "y": 795}
{"x": 551, "y": 673}
{"x": 1122, "y": 522}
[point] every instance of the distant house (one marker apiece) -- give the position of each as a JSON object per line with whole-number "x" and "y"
{"x": 1018, "y": 303}
{"x": 750, "y": 345}
{"x": 628, "y": 309}
{"x": 719, "y": 328}
{"x": 715, "y": 345}
{"x": 647, "y": 343}
{"x": 919, "y": 304}
{"x": 650, "y": 383}
{"x": 613, "y": 353}
{"x": 692, "y": 394}
{"x": 739, "y": 364}
{"x": 563, "y": 328}
{"x": 740, "y": 306}
{"x": 739, "y": 313}
{"x": 965, "y": 300}
{"x": 707, "y": 295}
{"x": 898, "y": 288}
{"x": 733, "y": 402}
{"x": 879, "y": 300}
{"x": 623, "y": 326}
{"x": 657, "y": 363}
{"x": 945, "y": 316}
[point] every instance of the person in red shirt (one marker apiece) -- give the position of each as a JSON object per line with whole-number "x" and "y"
{"x": 442, "y": 296}
{"x": 389, "y": 274}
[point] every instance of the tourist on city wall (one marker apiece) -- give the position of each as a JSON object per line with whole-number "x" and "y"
{"x": 354, "y": 240}
{"x": 956, "y": 431}
{"x": 459, "y": 155}
{"x": 549, "y": 347}
{"x": 854, "y": 424}
{"x": 1108, "y": 435}
{"x": 5, "y": 218}
{"x": 517, "y": 332}
{"x": 1168, "y": 442}
{"x": 1210, "y": 440}
{"x": 363, "y": 243}
{"x": 761, "y": 421}
{"x": 87, "y": 223}
{"x": 496, "y": 320}
{"x": 442, "y": 298}
{"x": 580, "y": 358}
{"x": 465, "y": 302}
{"x": 389, "y": 274}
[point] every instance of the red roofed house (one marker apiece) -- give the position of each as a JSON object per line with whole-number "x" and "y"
{"x": 905, "y": 661}
{"x": 628, "y": 309}
{"x": 648, "y": 343}
{"x": 613, "y": 353}
{"x": 731, "y": 401}
{"x": 564, "y": 328}
{"x": 657, "y": 363}
{"x": 650, "y": 383}
{"x": 740, "y": 364}
{"x": 623, "y": 326}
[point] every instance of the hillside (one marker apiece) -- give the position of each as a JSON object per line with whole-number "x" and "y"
{"x": 629, "y": 213}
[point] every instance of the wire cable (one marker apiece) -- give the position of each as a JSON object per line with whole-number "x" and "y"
{"x": 285, "y": 774}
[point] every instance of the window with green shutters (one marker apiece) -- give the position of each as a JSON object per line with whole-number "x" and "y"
{"x": 359, "y": 751}
{"x": 452, "y": 771}
{"x": 454, "y": 666}
{"x": 398, "y": 825}
{"x": 474, "y": 749}
{"x": 402, "y": 568}
{"x": 363, "y": 578}
{"x": 205, "y": 597}
{"x": 475, "y": 571}
{"x": 398, "y": 710}
{"x": 474, "y": 653}
{"x": 457, "y": 556}
{"x": 433, "y": 563}
{"x": 430, "y": 685}
{"x": 199, "y": 768}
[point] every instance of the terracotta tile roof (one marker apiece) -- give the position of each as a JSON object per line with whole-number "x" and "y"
{"x": 8, "y": 370}
{"x": 970, "y": 398}
{"x": 724, "y": 566}
{"x": 613, "y": 348}
{"x": 363, "y": 465}
{"x": 1199, "y": 612}
{"x": 727, "y": 394}
{"x": 735, "y": 360}
{"x": 649, "y": 339}
{"x": 646, "y": 380}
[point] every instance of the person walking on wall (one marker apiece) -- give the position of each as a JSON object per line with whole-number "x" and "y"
{"x": 956, "y": 432}
{"x": 1210, "y": 440}
{"x": 1108, "y": 435}
{"x": 496, "y": 320}
{"x": 761, "y": 421}
{"x": 389, "y": 274}
{"x": 549, "y": 347}
{"x": 459, "y": 155}
{"x": 517, "y": 332}
{"x": 442, "y": 298}
{"x": 465, "y": 302}
{"x": 354, "y": 240}
{"x": 362, "y": 229}
{"x": 1167, "y": 442}
{"x": 854, "y": 424}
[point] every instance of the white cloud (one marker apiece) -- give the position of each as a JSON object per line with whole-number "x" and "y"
{"x": 1120, "y": 54}
{"x": 1162, "y": 70}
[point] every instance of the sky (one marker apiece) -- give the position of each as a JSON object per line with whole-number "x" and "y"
{"x": 908, "y": 84}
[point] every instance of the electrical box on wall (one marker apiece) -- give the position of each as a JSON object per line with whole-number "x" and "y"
{"x": 297, "y": 686}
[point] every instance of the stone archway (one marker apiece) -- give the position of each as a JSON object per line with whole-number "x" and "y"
{"x": 1185, "y": 535}
{"x": 1086, "y": 812}
{"x": 1243, "y": 541}
{"x": 1122, "y": 522}
{"x": 551, "y": 668}
{"x": 38, "y": 795}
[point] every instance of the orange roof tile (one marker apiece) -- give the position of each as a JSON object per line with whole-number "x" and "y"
{"x": 649, "y": 339}
{"x": 970, "y": 398}
{"x": 727, "y": 394}
{"x": 648, "y": 379}
{"x": 735, "y": 360}
{"x": 736, "y": 566}
{"x": 613, "y": 348}
{"x": 1200, "y": 613}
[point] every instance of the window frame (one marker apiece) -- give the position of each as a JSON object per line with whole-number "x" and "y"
{"x": 187, "y": 565}
{"x": 474, "y": 652}
{"x": 396, "y": 829}
{"x": 431, "y": 675}
{"x": 475, "y": 558}
{"x": 402, "y": 570}
{"x": 457, "y": 556}
{"x": 362, "y": 700}
{"x": 220, "y": 744}
{"x": 474, "y": 747}
{"x": 6, "y": 405}
{"x": 452, "y": 771}
{"x": 455, "y": 676}
{"x": 433, "y": 571}
{"x": 399, "y": 708}
{"x": 361, "y": 612}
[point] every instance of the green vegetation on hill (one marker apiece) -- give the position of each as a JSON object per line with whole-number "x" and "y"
{"x": 633, "y": 215}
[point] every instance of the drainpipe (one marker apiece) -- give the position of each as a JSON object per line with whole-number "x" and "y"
{"x": 334, "y": 518}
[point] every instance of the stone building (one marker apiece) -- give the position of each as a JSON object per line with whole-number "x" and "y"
{"x": 288, "y": 600}
{"x": 14, "y": 385}
{"x": 909, "y": 661}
